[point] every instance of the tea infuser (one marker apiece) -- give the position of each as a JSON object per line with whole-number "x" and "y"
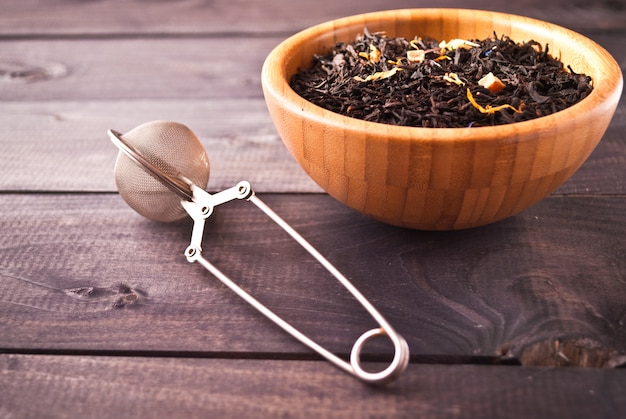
{"x": 162, "y": 171}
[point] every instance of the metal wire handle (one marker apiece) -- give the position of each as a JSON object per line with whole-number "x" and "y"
{"x": 200, "y": 204}
{"x": 202, "y": 207}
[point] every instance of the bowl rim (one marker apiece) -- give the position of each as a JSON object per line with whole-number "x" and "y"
{"x": 274, "y": 80}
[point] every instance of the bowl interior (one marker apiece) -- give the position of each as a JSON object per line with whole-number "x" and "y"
{"x": 577, "y": 51}
{"x": 440, "y": 178}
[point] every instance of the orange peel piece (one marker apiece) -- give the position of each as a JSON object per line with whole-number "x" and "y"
{"x": 416, "y": 55}
{"x": 491, "y": 82}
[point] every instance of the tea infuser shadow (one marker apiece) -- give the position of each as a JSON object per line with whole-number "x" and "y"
{"x": 162, "y": 171}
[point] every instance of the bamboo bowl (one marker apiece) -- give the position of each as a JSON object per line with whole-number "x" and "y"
{"x": 440, "y": 178}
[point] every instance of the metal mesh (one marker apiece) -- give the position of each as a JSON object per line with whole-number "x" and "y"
{"x": 175, "y": 151}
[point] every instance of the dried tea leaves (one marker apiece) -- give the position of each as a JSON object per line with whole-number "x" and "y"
{"x": 453, "y": 84}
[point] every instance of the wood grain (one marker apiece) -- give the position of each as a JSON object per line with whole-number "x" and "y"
{"x": 156, "y": 68}
{"x": 100, "y": 315}
{"x": 34, "y": 386}
{"x": 38, "y": 139}
{"x": 131, "y": 68}
{"x": 66, "y": 17}
{"x": 81, "y": 272}
{"x": 63, "y": 145}
{"x": 59, "y": 99}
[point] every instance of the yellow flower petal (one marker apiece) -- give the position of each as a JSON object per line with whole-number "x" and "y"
{"x": 453, "y": 78}
{"x": 374, "y": 54}
{"x": 456, "y": 44}
{"x": 379, "y": 76}
{"x": 414, "y": 43}
{"x": 490, "y": 110}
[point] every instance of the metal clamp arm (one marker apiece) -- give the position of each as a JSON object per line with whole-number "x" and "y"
{"x": 203, "y": 206}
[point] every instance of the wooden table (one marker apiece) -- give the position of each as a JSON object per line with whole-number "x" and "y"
{"x": 102, "y": 316}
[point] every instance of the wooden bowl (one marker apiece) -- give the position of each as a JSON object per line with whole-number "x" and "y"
{"x": 440, "y": 178}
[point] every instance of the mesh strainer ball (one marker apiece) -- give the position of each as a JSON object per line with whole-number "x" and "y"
{"x": 173, "y": 150}
{"x": 160, "y": 164}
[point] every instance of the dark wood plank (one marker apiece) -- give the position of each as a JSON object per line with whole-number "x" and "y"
{"x": 34, "y": 386}
{"x": 152, "y": 68}
{"x": 604, "y": 172}
{"x": 29, "y": 17}
{"x": 131, "y": 68}
{"x": 48, "y": 146}
{"x": 52, "y": 146}
{"x": 83, "y": 272}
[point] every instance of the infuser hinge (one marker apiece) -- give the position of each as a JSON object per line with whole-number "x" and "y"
{"x": 202, "y": 207}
